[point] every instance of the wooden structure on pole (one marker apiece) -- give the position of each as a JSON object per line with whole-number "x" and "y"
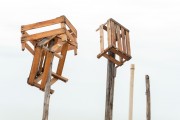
{"x": 117, "y": 52}
{"x": 131, "y": 92}
{"x": 45, "y": 46}
{"x": 148, "y": 99}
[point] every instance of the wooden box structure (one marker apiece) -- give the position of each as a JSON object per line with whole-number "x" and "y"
{"x": 118, "y": 42}
{"x": 47, "y": 45}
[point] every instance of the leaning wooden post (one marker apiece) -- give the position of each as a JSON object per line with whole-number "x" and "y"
{"x": 131, "y": 92}
{"x": 148, "y": 99}
{"x": 110, "y": 88}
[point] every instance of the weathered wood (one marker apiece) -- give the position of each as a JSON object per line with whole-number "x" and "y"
{"x": 112, "y": 59}
{"x": 128, "y": 43}
{"x": 47, "y": 94}
{"x": 29, "y": 49}
{"x": 43, "y": 34}
{"x": 148, "y": 99}
{"x": 59, "y": 77}
{"x": 131, "y": 92}
{"x": 68, "y": 23}
{"x": 123, "y": 40}
{"x": 43, "y": 23}
{"x": 110, "y": 88}
{"x": 113, "y": 34}
{"x": 109, "y": 33}
{"x": 101, "y": 38}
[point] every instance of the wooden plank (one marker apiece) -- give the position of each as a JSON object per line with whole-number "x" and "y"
{"x": 38, "y": 86}
{"x": 71, "y": 26}
{"x": 70, "y": 36}
{"x": 61, "y": 62}
{"x": 112, "y": 59}
{"x": 119, "y": 24}
{"x": 101, "y": 38}
{"x": 102, "y": 53}
{"x": 43, "y": 23}
{"x": 35, "y": 64}
{"x": 121, "y": 54}
{"x": 131, "y": 95}
{"x": 123, "y": 40}
{"x": 113, "y": 34}
{"x": 42, "y": 60}
{"x": 128, "y": 43}
{"x": 148, "y": 99}
{"x": 109, "y": 33}
{"x": 119, "y": 39}
{"x": 59, "y": 77}
{"x": 44, "y": 34}
{"x": 46, "y": 40}
{"x": 110, "y": 88}
{"x": 49, "y": 57}
{"x": 29, "y": 49}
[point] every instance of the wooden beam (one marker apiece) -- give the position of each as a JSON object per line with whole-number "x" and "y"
{"x": 109, "y": 33}
{"x": 123, "y": 40}
{"x": 119, "y": 24}
{"x": 112, "y": 59}
{"x": 43, "y": 34}
{"x": 131, "y": 92}
{"x": 61, "y": 62}
{"x": 43, "y": 23}
{"x": 59, "y": 77}
{"x": 35, "y": 64}
{"x": 148, "y": 99}
{"x": 110, "y": 88}
{"x": 113, "y": 34}
{"x": 29, "y": 49}
{"x": 68, "y": 23}
{"x": 46, "y": 40}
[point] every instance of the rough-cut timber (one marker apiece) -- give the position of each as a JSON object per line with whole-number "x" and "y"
{"x": 110, "y": 88}
{"x": 148, "y": 99}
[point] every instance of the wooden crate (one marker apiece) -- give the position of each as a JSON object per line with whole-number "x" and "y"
{"x": 45, "y": 46}
{"x": 118, "y": 42}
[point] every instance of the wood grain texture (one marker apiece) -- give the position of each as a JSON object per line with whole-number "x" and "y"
{"x": 110, "y": 88}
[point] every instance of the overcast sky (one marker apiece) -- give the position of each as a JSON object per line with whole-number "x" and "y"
{"x": 155, "y": 42}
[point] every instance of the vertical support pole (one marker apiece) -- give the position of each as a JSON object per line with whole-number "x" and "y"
{"x": 148, "y": 98}
{"x": 110, "y": 88}
{"x": 131, "y": 92}
{"x": 47, "y": 90}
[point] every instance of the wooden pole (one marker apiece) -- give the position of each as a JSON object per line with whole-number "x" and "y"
{"x": 110, "y": 88}
{"x": 47, "y": 90}
{"x": 148, "y": 98}
{"x": 131, "y": 92}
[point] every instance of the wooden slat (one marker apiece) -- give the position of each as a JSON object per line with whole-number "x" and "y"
{"x": 29, "y": 48}
{"x": 70, "y": 36}
{"x": 46, "y": 40}
{"x": 112, "y": 59}
{"x": 61, "y": 62}
{"x": 42, "y": 59}
{"x": 123, "y": 40}
{"x": 71, "y": 26}
{"x": 42, "y": 24}
{"x": 109, "y": 33}
{"x": 59, "y": 77}
{"x": 101, "y": 38}
{"x": 119, "y": 24}
{"x": 128, "y": 43}
{"x": 102, "y": 53}
{"x": 38, "y": 86}
{"x": 44, "y": 34}
{"x": 113, "y": 34}
{"x": 114, "y": 50}
{"x": 119, "y": 38}
{"x": 49, "y": 57}
{"x": 35, "y": 64}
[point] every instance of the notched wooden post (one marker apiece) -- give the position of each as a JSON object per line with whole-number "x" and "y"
{"x": 148, "y": 98}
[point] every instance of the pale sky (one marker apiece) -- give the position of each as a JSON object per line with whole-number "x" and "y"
{"x": 155, "y": 42}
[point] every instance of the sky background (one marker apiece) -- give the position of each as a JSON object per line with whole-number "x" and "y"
{"x": 155, "y": 42}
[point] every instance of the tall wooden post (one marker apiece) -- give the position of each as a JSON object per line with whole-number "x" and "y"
{"x": 48, "y": 86}
{"x": 110, "y": 88}
{"x": 131, "y": 92}
{"x": 148, "y": 99}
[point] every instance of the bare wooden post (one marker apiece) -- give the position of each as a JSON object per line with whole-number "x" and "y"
{"x": 110, "y": 88}
{"x": 148, "y": 98}
{"x": 47, "y": 90}
{"x": 131, "y": 92}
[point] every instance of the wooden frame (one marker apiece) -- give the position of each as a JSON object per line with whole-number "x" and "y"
{"x": 118, "y": 42}
{"x": 47, "y": 45}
